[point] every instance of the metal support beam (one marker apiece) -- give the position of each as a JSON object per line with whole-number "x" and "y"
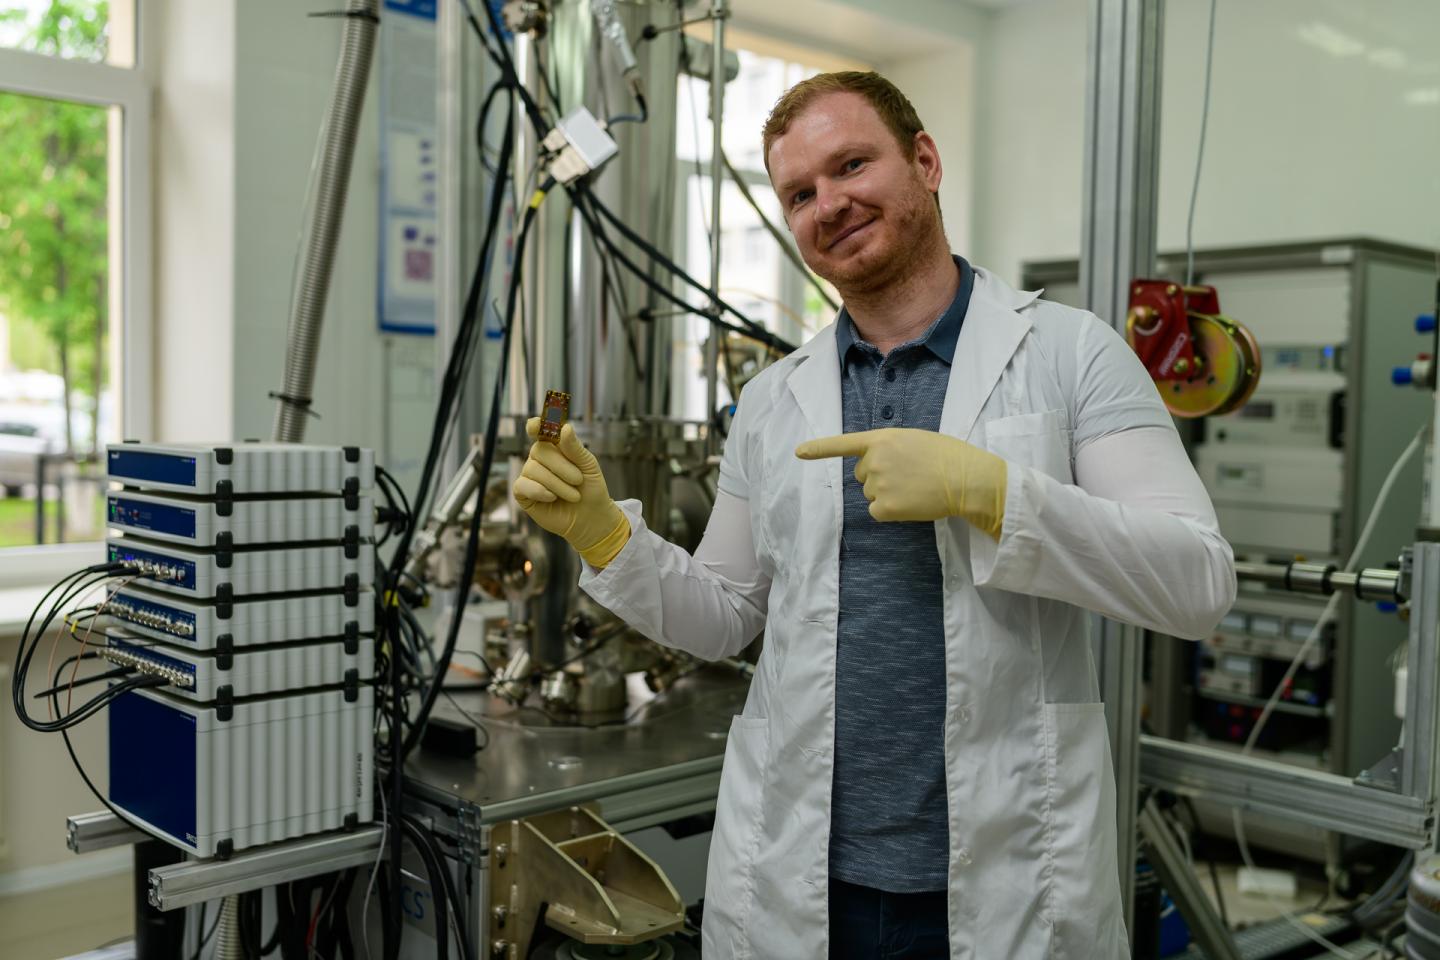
{"x": 1122, "y": 122}
{"x": 1289, "y": 793}
{"x": 719, "y": 11}
{"x": 1184, "y": 888}
{"x": 88, "y": 832}
{"x": 198, "y": 881}
{"x": 1419, "y": 774}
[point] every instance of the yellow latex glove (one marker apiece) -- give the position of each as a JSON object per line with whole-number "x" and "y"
{"x": 921, "y": 475}
{"x": 562, "y": 489}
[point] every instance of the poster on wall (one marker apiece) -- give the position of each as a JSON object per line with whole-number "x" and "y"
{"x": 409, "y": 180}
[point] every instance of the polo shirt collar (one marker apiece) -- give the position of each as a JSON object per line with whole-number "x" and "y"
{"x": 942, "y": 336}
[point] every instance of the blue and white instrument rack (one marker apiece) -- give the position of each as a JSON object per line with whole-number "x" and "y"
{"x": 252, "y": 596}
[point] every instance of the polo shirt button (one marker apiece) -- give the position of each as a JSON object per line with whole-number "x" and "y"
{"x": 890, "y": 374}
{"x": 887, "y": 411}
{"x": 963, "y": 714}
{"x": 963, "y": 857}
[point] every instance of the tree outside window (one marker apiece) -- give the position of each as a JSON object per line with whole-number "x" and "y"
{"x": 54, "y": 279}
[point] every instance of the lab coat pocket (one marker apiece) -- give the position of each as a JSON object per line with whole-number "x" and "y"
{"x": 730, "y": 874}
{"x": 1084, "y": 896}
{"x": 1040, "y": 440}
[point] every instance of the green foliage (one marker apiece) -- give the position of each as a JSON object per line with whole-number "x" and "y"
{"x": 53, "y": 205}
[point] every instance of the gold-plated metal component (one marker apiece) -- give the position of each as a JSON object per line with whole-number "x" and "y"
{"x": 599, "y": 888}
{"x": 1228, "y": 369}
{"x": 554, "y": 415}
{"x": 1142, "y": 320}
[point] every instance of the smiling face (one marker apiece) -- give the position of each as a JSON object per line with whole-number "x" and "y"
{"x": 860, "y": 208}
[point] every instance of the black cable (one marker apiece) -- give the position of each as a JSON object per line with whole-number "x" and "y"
{"x": 83, "y": 681}
{"x": 87, "y": 709}
{"x": 472, "y": 546}
{"x": 398, "y": 505}
{"x": 471, "y": 332}
{"x": 434, "y": 870}
{"x": 338, "y": 940}
{"x": 74, "y": 759}
{"x": 657, "y": 256}
{"x": 452, "y": 383}
{"x": 602, "y": 246}
{"x": 94, "y": 705}
{"x": 208, "y": 935}
{"x": 506, "y": 62}
{"x": 483, "y": 121}
{"x": 286, "y": 935}
{"x": 1209, "y": 860}
{"x": 425, "y": 840}
{"x": 26, "y": 650}
{"x": 774, "y": 232}
{"x": 452, "y": 386}
{"x": 70, "y": 587}
{"x": 759, "y": 334}
{"x": 253, "y": 908}
{"x": 752, "y": 332}
{"x": 640, "y": 117}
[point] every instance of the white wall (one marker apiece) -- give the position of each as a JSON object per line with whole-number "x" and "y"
{"x": 1030, "y": 128}
{"x": 194, "y": 220}
{"x": 1325, "y": 121}
{"x": 941, "y": 86}
{"x": 39, "y": 788}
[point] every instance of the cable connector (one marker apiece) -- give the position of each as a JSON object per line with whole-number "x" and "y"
{"x": 579, "y": 144}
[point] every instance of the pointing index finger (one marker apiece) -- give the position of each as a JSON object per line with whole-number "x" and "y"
{"x": 841, "y": 445}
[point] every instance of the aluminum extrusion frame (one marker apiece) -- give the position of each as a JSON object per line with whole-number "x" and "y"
{"x": 1122, "y": 128}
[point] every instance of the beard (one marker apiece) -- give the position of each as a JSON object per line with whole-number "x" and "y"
{"x": 907, "y": 231}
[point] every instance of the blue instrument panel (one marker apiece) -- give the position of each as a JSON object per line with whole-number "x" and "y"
{"x": 151, "y": 467}
{"x": 146, "y": 515}
{"x": 155, "y": 565}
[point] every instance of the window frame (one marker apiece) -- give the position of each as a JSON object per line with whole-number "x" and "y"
{"x": 131, "y": 90}
{"x": 793, "y": 286}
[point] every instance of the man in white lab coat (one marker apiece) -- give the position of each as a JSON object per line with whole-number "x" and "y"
{"x": 917, "y": 507}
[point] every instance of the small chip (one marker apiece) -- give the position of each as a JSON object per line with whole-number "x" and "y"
{"x": 553, "y": 417}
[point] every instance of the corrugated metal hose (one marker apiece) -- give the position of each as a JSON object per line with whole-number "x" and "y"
{"x": 330, "y": 182}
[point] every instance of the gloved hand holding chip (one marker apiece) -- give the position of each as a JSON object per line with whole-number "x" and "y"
{"x": 921, "y": 475}
{"x": 562, "y": 489}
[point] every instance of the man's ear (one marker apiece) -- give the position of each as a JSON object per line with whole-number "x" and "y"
{"x": 927, "y": 157}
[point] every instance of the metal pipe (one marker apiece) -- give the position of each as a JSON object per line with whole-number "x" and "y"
{"x": 1169, "y": 862}
{"x": 1371, "y": 583}
{"x": 718, "y": 13}
{"x": 331, "y": 182}
{"x": 228, "y": 945}
{"x": 447, "y": 510}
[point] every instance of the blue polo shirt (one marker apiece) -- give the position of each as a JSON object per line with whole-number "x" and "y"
{"x": 889, "y": 821}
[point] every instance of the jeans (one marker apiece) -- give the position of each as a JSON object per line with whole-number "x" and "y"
{"x": 870, "y": 924}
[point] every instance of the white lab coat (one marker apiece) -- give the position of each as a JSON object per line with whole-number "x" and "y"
{"x": 1031, "y": 792}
